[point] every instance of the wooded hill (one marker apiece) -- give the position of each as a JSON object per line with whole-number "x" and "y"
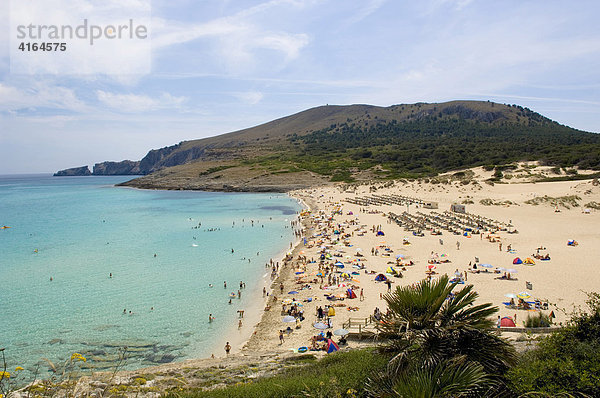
{"x": 345, "y": 143}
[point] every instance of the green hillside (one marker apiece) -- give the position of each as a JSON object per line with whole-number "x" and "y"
{"x": 346, "y": 143}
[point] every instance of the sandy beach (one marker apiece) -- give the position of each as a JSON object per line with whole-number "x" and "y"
{"x": 338, "y": 227}
{"x": 561, "y": 282}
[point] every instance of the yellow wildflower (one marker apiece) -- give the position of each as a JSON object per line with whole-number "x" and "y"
{"x": 77, "y": 356}
{"x": 18, "y": 368}
{"x": 4, "y": 375}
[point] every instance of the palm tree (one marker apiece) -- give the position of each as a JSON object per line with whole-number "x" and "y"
{"x": 429, "y": 324}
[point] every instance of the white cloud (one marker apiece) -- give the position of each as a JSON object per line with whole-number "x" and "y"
{"x": 250, "y": 97}
{"x": 39, "y": 95}
{"x": 237, "y": 41}
{"x": 132, "y": 103}
{"x": 369, "y": 8}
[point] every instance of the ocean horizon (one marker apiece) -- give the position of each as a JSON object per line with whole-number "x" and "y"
{"x": 88, "y": 267}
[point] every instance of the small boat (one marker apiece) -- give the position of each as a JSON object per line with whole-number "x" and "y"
{"x": 4, "y": 227}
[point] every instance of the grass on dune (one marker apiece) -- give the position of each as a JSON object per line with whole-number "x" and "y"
{"x": 342, "y": 374}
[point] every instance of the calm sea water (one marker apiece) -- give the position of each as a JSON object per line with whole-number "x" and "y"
{"x": 79, "y": 230}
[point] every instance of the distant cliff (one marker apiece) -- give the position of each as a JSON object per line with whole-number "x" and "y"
{"x": 126, "y": 167}
{"x": 75, "y": 171}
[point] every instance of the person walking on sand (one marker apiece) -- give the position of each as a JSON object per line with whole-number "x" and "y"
{"x": 240, "y": 324}
{"x": 281, "y": 337}
{"x": 457, "y": 245}
{"x": 362, "y": 294}
{"x": 227, "y": 348}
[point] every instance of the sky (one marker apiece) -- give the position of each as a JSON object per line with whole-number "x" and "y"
{"x": 216, "y": 66}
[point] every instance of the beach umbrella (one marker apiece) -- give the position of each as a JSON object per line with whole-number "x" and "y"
{"x": 293, "y": 292}
{"x": 510, "y": 295}
{"x": 512, "y": 271}
{"x": 320, "y": 326}
{"x": 340, "y": 332}
{"x": 289, "y": 319}
{"x": 431, "y": 266}
{"x": 523, "y": 295}
{"x": 486, "y": 265}
{"x": 400, "y": 257}
{"x": 288, "y": 301}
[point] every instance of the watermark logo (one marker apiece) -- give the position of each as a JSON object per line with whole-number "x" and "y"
{"x": 80, "y": 37}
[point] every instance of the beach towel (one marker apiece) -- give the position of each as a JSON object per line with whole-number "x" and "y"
{"x": 332, "y": 346}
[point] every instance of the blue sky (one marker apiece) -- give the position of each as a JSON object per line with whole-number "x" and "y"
{"x": 222, "y": 65}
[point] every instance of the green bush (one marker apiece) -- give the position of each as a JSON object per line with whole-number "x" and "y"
{"x": 566, "y": 362}
{"x": 537, "y": 321}
{"x": 342, "y": 374}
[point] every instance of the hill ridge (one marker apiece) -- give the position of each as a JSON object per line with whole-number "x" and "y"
{"x": 380, "y": 139}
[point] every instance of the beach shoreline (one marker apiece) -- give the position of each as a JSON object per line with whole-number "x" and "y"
{"x": 561, "y": 281}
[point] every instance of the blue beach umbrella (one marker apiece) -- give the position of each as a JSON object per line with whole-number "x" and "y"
{"x": 293, "y": 292}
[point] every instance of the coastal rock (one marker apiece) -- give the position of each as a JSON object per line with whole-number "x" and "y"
{"x": 74, "y": 171}
{"x": 126, "y": 167}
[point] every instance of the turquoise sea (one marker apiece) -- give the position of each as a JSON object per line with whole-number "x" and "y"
{"x": 79, "y": 230}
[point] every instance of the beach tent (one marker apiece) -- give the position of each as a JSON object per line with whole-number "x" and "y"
{"x": 380, "y": 233}
{"x": 381, "y": 278}
{"x": 517, "y": 261}
{"x": 351, "y": 294}
{"x": 331, "y": 346}
{"x": 391, "y": 271}
{"x": 507, "y": 322}
{"x": 339, "y": 264}
{"x": 529, "y": 261}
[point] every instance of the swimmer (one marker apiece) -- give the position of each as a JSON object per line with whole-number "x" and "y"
{"x": 210, "y": 318}
{"x": 210, "y": 285}
{"x": 154, "y": 254}
{"x": 225, "y": 284}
